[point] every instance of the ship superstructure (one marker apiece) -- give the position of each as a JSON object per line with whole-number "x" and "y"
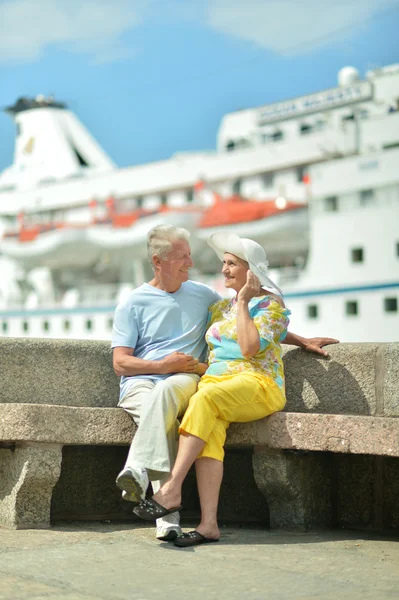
{"x": 314, "y": 179}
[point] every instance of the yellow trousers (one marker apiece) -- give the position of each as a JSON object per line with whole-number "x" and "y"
{"x": 221, "y": 400}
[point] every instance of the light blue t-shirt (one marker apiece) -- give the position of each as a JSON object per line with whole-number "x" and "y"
{"x": 156, "y": 323}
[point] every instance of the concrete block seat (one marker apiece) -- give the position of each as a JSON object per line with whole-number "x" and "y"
{"x": 56, "y": 393}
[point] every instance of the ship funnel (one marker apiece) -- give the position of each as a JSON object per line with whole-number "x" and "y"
{"x": 51, "y": 143}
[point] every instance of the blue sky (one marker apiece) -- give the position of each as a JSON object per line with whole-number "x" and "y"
{"x": 154, "y": 77}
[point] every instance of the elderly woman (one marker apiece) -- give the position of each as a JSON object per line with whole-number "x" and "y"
{"x": 243, "y": 382}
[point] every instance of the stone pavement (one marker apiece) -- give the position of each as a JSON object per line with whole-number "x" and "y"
{"x": 103, "y": 561}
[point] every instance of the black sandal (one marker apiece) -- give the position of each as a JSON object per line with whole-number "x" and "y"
{"x": 192, "y": 538}
{"x": 150, "y": 510}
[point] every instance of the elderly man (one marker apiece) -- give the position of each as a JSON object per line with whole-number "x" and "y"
{"x": 159, "y": 351}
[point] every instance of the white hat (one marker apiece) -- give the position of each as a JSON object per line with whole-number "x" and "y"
{"x": 246, "y": 249}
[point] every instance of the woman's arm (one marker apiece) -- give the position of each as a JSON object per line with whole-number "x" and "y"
{"x": 309, "y": 344}
{"x": 247, "y": 334}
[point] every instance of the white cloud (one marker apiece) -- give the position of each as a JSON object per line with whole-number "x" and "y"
{"x": 292, "y": 26}
{"x": 92, "y": 27}
{"x": 96, "y": 28}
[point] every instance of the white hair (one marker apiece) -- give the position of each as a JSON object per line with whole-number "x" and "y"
{"x": 161, "y": 238}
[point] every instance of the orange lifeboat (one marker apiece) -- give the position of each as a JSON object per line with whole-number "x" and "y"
{"x": 240, "y": 210}
{"x": 125, "y": 219}
{"x": 28, "y": 234}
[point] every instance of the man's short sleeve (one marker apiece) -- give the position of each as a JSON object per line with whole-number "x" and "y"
{"x": 124, "y": 331}
{"x": 216, "y": 297}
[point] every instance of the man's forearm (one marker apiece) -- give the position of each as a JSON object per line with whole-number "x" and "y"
{"x": 131, "y": 365}
{"x": 294, "y": 340}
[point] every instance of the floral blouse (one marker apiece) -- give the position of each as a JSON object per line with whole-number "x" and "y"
{"x": 271, "y": 321}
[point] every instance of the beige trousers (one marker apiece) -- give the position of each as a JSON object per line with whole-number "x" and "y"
{"x": 155, "y": 408}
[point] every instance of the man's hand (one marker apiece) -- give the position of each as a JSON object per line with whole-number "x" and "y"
{"x": 316, "y": 344}
{"x": 178, "y": 362}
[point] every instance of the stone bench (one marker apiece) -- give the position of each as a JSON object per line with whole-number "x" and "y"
{"x": 56, "y": 394}
{"x": 32, "y": 437}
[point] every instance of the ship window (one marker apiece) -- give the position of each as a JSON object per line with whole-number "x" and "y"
{"x": 277, "y": 135}
{"x": 19, "y": 129}
{"x": 230, "y": 145}
{"x": 189, "y": 196}
{"x": 25, "y": 326}
{"x": 397, "y": 249}
{"x": 366, "y": 197}
{"x": 89, "y": 324}
{"x": 164, "y": 199}
{"x": 313, "y": 311}
{"x": 237, "y": 187}
{"x": 46, "y": 326}
{"x": 350, "y": 117}
{"x": 331, "y": 203}
{"x": 110, "y": 323}
{"x": 5, "y": 326}
{"x": 391, "y": 304}
{"x": 357, "y": 255}
{"x": 139, "y": 201}
{"x": 352, "y": 308}
{"x": 268, "y": 179}
{"x": 265, "y": 138}
{"x": 305, "y": 128}
{"x": 67, "y": 325}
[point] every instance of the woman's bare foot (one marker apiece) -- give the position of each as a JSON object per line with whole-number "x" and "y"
{"x": 209, "y": 530}
{"x": 168, "y": 497}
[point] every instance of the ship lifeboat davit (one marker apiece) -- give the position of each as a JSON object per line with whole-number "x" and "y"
{"x": 279, "y": 225}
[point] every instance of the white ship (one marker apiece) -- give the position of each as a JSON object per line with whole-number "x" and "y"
{"x": 314, "y": 179}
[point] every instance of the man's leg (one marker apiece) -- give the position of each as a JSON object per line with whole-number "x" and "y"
{"x": 154, "y": 446}
{"x": 133, "y": 480}
{"x": 167, "y": 527}
{"x": 155, "y": 409}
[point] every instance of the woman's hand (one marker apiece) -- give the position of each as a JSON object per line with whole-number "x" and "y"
{"x": 201, "y": 368}
{"x": 310, "y": 344}
{"x": 250, "y": 289}
{"x": 316, "y": 345}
